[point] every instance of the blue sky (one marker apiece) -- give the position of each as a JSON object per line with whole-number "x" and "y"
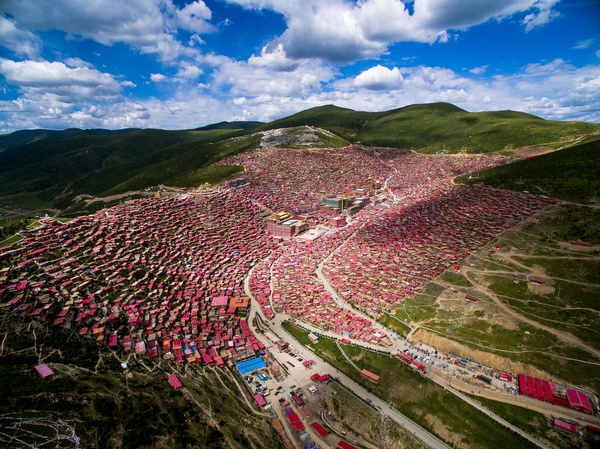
{"x": 180, "y": 64}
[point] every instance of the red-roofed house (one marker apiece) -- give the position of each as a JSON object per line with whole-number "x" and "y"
{"x": 566, "y": 426}
{"x": 174, "y": 381}
{"x": 219, "y": 301}
{"x": 579, "y": 402}
{"x": 44, "y": 371}
{"x": 319, "y": 429}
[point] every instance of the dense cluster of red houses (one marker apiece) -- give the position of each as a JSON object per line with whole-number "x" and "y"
{"x": 296, "y": 291}
{"x": 161, "y": 277}
{"x": 294, "y": 180}
{"x": 404, "y": 247}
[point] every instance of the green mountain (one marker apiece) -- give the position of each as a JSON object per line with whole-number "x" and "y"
{"x": 28, "y": 136}
{"x": 230, "y": 125}
{"x": 430, "y": 128}
{"x": 571, "y": 174}
{"x": 52, "y": 170}
{"x": 43, "y": 168}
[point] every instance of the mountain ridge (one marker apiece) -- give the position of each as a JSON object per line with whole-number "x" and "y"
{"x": 47, "y": 168}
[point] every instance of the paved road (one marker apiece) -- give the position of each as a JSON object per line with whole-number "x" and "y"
{"x": 301, "y": 376}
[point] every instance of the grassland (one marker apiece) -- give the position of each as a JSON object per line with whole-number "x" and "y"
{"x": 571, "y": 174}
{"x": 538, "y": 425}
{"x": 359, "y": 420}
{"x": 89, "y": 393}
{"x": 395, "y": 324}
{"x": 423, "y": 401}
{"x": 552, "y": 326}
{"x": 431, "y": 128}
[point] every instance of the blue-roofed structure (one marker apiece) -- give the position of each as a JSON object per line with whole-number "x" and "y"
{"x": 251, "y": 365}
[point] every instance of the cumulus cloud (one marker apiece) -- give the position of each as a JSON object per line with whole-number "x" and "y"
{"x": 147, "y": 25}
{"x": 78, "y": 62}
{"x": 340, "y": 31}
{"x": 274, "y": 58}
{"x": 193, "y": 111}
{"x": 553, "y": 90}
{"x": 541, "y": 15}
{"x": 195, "y": 17}
{"x": 158, "y": 77}
{"x": 379, "y": 78}
{"x": 188, "y": 71}
{"x": 240, "y": 78}
{"x": 20, "y": 42}
{"x": 43, "y": 79}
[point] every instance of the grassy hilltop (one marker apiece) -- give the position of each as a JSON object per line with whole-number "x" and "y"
{"x": 427, "y": 128}
{"x": 572, "y": 174}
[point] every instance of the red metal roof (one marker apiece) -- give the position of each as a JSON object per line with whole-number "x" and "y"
{"x": 44, "y": 371}
{"x": 566, "y": 426}
{"x": 369, "y": 375}
{"x": 319, "y": 429}
{"x": 295, "y": 421}
{"x": 260, "y": 400}
{"x": 345, "y": 445}
{"x": 174, "y": 381}
{"x": 579, "y": 401}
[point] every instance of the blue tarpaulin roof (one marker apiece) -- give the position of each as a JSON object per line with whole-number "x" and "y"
{"x": 251, "y": 365}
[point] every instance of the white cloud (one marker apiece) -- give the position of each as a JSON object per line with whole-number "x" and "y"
{"x": 195, "y": 17}
{"x": 479, "y": 70}
{"x": 77, "y": 62}
{"x": 274, "y": 58}
{"x": 239, "y": 78}
{"x": 188, "y": 71}
{"x": 340, "y": 31}
{"x": 20, "y": 42}
{"x": 74, "y": 93}
{"x": 553, "y": 90}
{"x": 193, "y": 111}
{"x": 379, "y": 78}
{"x": 147, "y": 25}
{"x": 542, "y": 14}
{"x": 54, "y": 80}
{"x": 581, "y": 45}
{"x": 158, "y": 77}
{"x": 534, "y": 20}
